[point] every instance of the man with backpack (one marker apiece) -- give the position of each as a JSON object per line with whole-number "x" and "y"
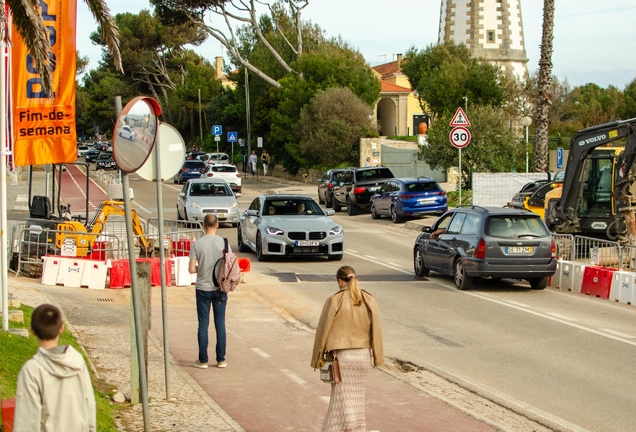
{"x": 204, "y": 255}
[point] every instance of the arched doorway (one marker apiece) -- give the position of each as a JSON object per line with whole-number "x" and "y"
{"x": 386, "y": 117}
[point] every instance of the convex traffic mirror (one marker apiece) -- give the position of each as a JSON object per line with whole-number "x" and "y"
{"x": 135, "y": 133}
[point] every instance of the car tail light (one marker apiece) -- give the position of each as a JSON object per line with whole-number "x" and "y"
{"x": 406, "y": 196}
{"x": 554, "y": 250}
{"x": 442, "y": 193}
{"x": 184, "y": 170}
{"x": 480, "y": 250}
{"x": 209, "y": 174}
{"x": 238, "y": 175}
{"x": 359, "y": 190}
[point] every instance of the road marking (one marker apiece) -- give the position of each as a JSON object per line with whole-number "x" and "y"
{"x": 394, "y": 264}
{"x": 173, "y": 187}
{"x": 563, "y": 317}
{"x": 22, "y": 198}
{"x": 325, "y": 399}
{"x": 517, "y": 303}
{"x": 293, "y": 376}
{"x": 371, "y": 257}
{"x": 352, "y": 251}
{"x": 349, "y": 251}
{"x": 80, "y": 189}
{"x": 616, "y": 333}
{"x": 261, "y": 353}
{"x": 545, "y": 315}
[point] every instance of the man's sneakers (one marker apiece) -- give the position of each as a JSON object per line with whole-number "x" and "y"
{"x": 198, "y": 364}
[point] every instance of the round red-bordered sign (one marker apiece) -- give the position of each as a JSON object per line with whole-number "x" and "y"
{"x": 459, "y": 137}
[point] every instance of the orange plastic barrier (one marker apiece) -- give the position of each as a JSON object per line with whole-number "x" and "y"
{"x": 8, "y": 414}
{"x": 181, "y": 247}
{"x": 597, "y": 281}
{"x": 120, "y": 272}
{"x": 244, "y": 264}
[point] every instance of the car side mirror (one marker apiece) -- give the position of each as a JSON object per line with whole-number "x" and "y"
{"x": 238, "y": 194}
{"x": 330, "y": 212}
{"x": 182, "y": 194}
{"x": 426, "y": 229}
{"x": 252, "y": 212}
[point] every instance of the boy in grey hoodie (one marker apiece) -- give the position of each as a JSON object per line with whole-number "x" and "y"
{"x": 54, "y": 388}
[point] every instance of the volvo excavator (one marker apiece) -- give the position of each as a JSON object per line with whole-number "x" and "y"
{"x": 595, "y": 197}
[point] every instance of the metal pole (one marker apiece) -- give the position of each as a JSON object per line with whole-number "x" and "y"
{"x": 247, "y": 109}
{"x": 4, "y": 242}
{"x": 526, "y": 149}
{"x": 200, "y": 125}
{"x": 460, "y": 176}
{"x": 136, "y": 300}
{"x": 162, "y": 266}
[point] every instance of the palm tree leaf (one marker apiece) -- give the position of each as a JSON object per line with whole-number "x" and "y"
{"x": 30, "y": 26}
{"x": 110, "y": 31}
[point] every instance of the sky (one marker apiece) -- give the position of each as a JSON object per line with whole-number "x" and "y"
{"x": 594, "y": 41}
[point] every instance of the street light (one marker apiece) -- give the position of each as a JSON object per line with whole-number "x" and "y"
{"x": 526, "y": 122}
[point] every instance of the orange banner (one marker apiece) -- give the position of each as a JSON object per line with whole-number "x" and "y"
{"x": 44, "y": 127}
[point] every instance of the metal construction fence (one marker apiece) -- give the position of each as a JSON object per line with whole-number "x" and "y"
{"x": 29, "y": 245}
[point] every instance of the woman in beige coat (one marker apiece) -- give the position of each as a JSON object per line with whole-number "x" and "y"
{"x": 349, "y": 325}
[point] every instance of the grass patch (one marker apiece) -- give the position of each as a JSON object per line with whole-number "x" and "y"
{"x": 403, "y": 138}
{"x": 453, "y": 197}
{"x": 16, "y": 350}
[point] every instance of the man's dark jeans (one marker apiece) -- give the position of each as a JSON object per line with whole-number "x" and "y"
{"x": 218, "y": 300}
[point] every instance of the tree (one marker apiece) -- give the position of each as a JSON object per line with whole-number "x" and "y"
{"x": 544, "y": 101}
{"x": 593, "y": 105}
{"x": 233, "y": 13}
{"x": 27, "y": 18}
{"x": 493, "y": 146}
{"x": 628, "y": 108}
{"x": 444, "y": 74}
{"x": 331, "y": 125}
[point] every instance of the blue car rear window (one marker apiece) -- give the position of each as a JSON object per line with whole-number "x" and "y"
{"x": 422, "y": 187}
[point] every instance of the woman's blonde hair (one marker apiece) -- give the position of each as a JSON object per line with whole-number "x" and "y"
{"x": 348, "y": 274}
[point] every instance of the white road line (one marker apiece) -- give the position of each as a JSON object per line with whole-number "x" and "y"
{"x": 563, "y": 317}
{"x": 616, "y": 333}
{"x": 261, "y": 353}
{"x": 394, "y": 264}
{"x": 22, "y": 198}
{"x": 375, "y": 261}
{"x": 546, "y": 316}
{"x": 352, "y": 251}
{"x": 517, "y": 303}
{"x": 143, "y": 208}
{"x": 172, "y": 187}
{"x": 293, "y": 376}
{"x": 325, "y": 399}
{"x": 80, "y": 189}
{"x": 371, "y": 257}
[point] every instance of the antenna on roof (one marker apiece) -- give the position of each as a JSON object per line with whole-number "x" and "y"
{"x": 383, "y": 55}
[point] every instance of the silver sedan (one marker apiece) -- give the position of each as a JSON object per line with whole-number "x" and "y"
{"x": 289, "y": 225}
{"x": 199, "y": 197}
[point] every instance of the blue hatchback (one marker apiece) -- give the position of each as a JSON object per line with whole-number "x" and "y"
{"x": 403, "y": 198}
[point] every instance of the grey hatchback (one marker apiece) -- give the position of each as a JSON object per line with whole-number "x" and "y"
{"x": 489, "y": 242}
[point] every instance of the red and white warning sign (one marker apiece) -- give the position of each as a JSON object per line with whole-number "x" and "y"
{"x": 460, "y": 118}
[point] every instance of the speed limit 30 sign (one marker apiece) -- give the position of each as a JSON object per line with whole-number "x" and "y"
{"x": 459, "y": 137}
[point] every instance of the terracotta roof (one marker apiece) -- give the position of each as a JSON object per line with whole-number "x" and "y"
{"x": 388, "y": 87}
{"x": 388, "y": 68}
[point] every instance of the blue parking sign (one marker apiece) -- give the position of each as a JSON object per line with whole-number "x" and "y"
{"x": 559, "y": 157}
{"x": 232, "y": 136}
{"x": 217, "y": 130}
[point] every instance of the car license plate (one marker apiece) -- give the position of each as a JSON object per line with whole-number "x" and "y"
{"x": 426, "y": 201}
{"x": 518, "y": 249}
{"x": 221, "y": 215}
{"x": 307, "y": 243}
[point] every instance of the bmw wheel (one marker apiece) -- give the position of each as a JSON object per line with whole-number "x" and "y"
{"x": 242, "y": 247}
{"x": 259, "y": 248}
{"x": 462, "y": 280}
{"x": 418, "y": 263}
{"x": 374, "y": 214}
{"x": 394, "y": 216}
{"x": 336, "y": 206}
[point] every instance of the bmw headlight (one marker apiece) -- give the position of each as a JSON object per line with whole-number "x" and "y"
{"x": 274, "y": 231}
{"x": 337, "y": 230}
{"x": 234, "y": 205}
{"x": 195, "y": 206}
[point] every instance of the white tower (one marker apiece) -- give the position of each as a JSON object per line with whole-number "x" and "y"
{"x": 491, "y": 29}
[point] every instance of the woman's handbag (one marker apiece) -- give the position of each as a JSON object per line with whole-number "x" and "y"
{"x": 330, "y": 369}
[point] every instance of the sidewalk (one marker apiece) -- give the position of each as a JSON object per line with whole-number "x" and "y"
{"x": 268, "y": 385}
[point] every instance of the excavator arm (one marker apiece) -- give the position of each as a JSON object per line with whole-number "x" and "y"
{"x": 108, "y": 208}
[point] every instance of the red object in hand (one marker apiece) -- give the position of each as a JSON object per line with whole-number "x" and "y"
{"x": 8, "y": 414}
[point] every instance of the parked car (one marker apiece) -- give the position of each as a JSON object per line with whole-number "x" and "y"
{"x": 192, "y": 155}
{"x": 191, "y": 169}
{"x": 227, "y": 172}
{"x": 199, "y": 197}
{"x": 127, "y": 132}
{"x": 214, "y": 158}
{"x": 81, "y": 151}
{"x": 354, "y": 187}
{"x": 494, "y": 242}
{"x": 91, "y": 156}
{"x": 105, "y": 161}
{"x": 289, "y": 225}
{"x": 408, "y": 197}
{"x": 325, "y": 186}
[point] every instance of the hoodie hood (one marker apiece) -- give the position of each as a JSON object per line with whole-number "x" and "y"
{"x": 63, "y": 361}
